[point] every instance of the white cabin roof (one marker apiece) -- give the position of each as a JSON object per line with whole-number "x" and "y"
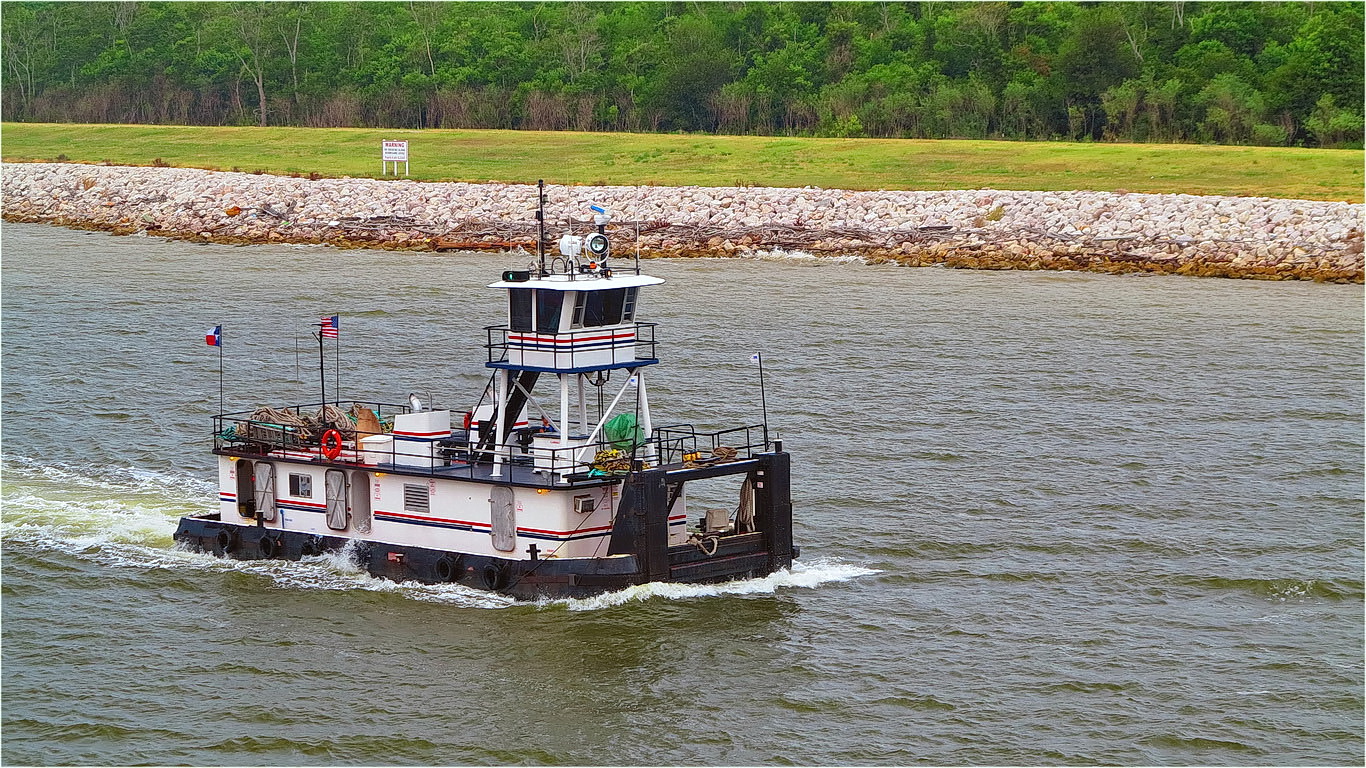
{"x": 581, "y": 282}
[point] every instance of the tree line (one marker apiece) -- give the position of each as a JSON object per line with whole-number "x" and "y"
{"x": 1275, "y": 73}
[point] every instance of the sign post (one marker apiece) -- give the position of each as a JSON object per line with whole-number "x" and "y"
{"x": 393, "y": 152}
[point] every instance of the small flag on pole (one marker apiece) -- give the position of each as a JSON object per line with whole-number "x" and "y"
{"x": 754, "y": 358}
{"x": 214, "y": 336}
{"x": 331, "y": 327}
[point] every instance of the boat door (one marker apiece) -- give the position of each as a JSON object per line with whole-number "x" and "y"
{"x": 504, "y": 519}
{"x": 265, "y": 489}
{"x": 360, "y": 501}
{"x": 246, "y": 489}
{"x": 336, "y": 499}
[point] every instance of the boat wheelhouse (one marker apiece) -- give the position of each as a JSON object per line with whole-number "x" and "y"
{"x": 556, "y": 482}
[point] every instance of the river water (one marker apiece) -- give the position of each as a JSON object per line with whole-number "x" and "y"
{"x": 1044, "y": 518}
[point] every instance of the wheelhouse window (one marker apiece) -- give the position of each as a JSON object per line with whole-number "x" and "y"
{"x": 301, "y": 486}
{"x": 519, "y": 308}
{"x": 595, "y": 308}
{"x": 548, "y": 304}
{"x": 580, "y": 302}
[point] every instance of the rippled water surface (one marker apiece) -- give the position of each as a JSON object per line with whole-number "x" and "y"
{"x": 1044, "y": 518}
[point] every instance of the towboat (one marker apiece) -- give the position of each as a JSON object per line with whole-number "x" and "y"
{"x": 556, "y": 482}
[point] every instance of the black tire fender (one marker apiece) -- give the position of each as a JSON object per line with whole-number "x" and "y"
{"x": 225, "y": 540}
{"x": 268, "y": 546}
{"x": 495, "y": 576}
{"x": 447, "y": 568}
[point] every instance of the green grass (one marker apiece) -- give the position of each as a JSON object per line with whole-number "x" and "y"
{"x": 673, "y": 160}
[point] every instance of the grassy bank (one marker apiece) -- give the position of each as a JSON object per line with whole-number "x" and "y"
{"x": 673, "y": 160}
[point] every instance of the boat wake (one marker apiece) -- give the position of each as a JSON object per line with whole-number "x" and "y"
{"x": 800, "y": 575}
{"x": 125, "y": 518}
{"x": 75, "y": 508}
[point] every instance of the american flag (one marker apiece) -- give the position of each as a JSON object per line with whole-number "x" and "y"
{"x": 331, "y": 327}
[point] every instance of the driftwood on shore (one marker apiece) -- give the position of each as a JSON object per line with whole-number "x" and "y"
{"x": 985, "y": 229}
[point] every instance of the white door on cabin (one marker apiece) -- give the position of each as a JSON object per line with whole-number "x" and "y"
{"x": 336, "y": 499}
{"x": 360, "y": 501}
{"x": 246, "y": 489}
{"x": 265, "y": 490}
{"x": 504, "y": 519}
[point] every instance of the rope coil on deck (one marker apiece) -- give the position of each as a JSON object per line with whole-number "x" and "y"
{"x": 719, "y": 455}
{"x": 701, "y": 543}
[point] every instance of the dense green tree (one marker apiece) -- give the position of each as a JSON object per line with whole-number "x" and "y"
{"x": 1242, "y": 72}
{"x": 1094, "y": 57}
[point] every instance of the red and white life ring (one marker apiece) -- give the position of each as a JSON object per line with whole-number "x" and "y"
{"x": 332, "y": 444}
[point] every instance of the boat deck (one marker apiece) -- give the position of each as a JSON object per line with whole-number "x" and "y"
{"x": 676, "y": 448}
{"x": 520, "y": 473}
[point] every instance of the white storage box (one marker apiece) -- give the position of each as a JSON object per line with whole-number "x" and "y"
{"x": 546, "y": 457}
{"x": 377, "y": 449}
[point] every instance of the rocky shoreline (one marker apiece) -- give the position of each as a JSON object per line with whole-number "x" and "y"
{"x": 1117, "y": 232}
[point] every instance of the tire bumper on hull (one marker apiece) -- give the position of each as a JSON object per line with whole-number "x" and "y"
{"x": 522, "y": 579}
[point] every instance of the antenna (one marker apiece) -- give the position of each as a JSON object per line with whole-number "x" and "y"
{"x": 540, "y": 222}
{"x": 637, "y": 217}
{"x": 221, "y": 410}
{"x": 758, "y": 357}
{"x": 322, "y": 366}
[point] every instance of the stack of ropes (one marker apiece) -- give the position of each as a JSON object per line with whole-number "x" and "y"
{"x": 719, "y": 455}
{"x": 332, "y": 417}
{"x": 273, "y": 425}
{"x": 612, "y": 460}
{"x": 268, "y": 415}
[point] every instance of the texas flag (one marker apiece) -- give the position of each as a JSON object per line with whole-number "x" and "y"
{"x": 214, "y": 336}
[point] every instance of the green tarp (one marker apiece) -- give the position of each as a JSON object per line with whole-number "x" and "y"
{"x": 623, "y": 432}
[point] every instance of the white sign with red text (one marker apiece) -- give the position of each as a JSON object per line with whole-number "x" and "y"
{"x": 393, "y": 152}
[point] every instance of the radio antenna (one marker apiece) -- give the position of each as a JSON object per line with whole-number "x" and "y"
{"x": 540, "y": 222}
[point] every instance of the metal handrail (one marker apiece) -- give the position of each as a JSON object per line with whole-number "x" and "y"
{"x": 677, "y": 441}
{"x": 670, "y": 445}
{"x": 642, "y": 347}
{"x": 298, "y": 410}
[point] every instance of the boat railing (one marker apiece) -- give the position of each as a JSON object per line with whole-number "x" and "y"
{"x": 602, "y": 347}
{"x": 678, "y": 443}
{"x": 290, "y": 428}
{"x": 580, "y": 460}
{"x": 532, "y": 456}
